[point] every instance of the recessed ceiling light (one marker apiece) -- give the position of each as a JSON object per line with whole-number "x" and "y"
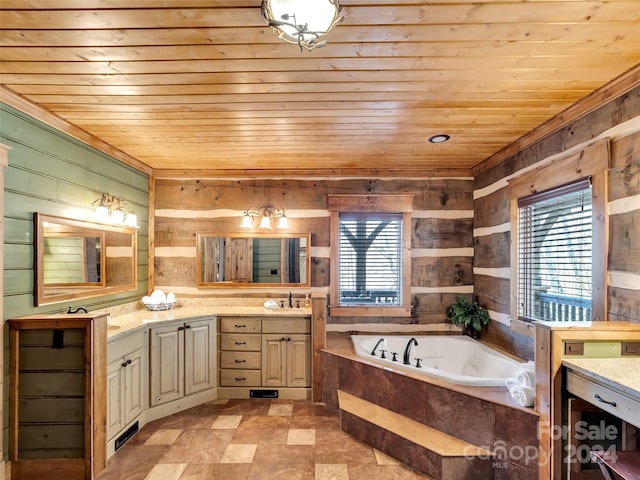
{"x": 441, "y": 138}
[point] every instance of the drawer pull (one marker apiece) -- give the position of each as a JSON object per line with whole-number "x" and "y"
{"x": 241, "y": 326}
{"x": 241, "y": 361}
{"x": 600, "y": 399}
{"x": 241, "y": 343}
{"x": 240, "y": 379}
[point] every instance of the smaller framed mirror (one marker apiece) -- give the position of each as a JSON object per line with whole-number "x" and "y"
{"x": 78, "y": 259}
{"x": 253, "y": 260}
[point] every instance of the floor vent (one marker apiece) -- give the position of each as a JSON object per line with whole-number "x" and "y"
{"x": 263, "y": 393}
{"x": 122, "y": 439}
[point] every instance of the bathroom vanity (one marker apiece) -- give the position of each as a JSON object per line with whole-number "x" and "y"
{"x": 581, "y": 369}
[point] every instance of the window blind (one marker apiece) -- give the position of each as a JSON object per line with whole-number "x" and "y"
{"x": 370, "y": 259}
{"x": 555, "y": 254}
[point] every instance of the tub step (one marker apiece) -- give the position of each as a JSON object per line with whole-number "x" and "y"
{"x": 423, "y": 448}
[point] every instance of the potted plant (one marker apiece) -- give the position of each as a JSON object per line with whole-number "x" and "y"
{"x": 470, "y": 315}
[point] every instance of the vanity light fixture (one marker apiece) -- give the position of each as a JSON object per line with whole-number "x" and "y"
{"x": 304, "y": 22}
{"x": 115, "y": 210}
{"x": 267, "y": 217}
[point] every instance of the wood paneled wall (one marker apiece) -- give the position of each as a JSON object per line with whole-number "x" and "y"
{"x": 441, "y": 240}
{"x": 51, "y": 172}
{"x": 619, "y": 120}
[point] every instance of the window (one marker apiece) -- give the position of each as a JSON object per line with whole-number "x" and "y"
{"x": 370, "y": 259}
{"x": 555, "y": 254}
{"x": 370, "y": 255}
{"x": 559, "y": 244}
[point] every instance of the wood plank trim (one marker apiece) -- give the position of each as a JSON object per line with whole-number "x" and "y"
{"x": 20, "y": 103}
{"x": 612, "y": 90}
{"x": 316, "y": 174}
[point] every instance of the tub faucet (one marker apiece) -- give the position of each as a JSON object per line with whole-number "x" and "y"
{"x": 373, "y": 352}
{"x": 407, "y": 350}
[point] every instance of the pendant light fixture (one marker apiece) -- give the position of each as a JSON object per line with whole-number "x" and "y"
{"x": 304, "y": 22}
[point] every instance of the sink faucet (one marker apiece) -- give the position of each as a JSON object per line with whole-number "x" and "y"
{"x": 407, "y": 350}
{"x": 373, "y": 352}
{"x": 79, "y": 309}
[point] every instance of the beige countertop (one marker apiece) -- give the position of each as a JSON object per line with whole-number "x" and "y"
{"x": 622, "y": 374}
{"x": 121, "y": 323}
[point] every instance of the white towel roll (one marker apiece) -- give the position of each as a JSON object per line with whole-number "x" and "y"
{"x": 526, "y": 378}
{"x": 525, "y": 396}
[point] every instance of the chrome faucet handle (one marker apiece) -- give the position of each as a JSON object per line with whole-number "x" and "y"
{"x": 382, "y": 353}
{"x": 418, "y": 360}
{"x": 394, "y": 356}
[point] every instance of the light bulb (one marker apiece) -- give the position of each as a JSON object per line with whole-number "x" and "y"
{"x": 246, "y": 221}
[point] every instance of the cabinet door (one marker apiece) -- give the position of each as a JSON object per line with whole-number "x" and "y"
{"x": 115, "y": 420}
{"x": 274, "y": 349}
{"x": 166, "y": 346}
{"x": 298, "y": 361}
{"x": 199, "y": 368}
{"x": 133, "y": 386}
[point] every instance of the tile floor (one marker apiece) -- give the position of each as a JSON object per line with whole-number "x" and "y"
{"x": 255, "y": 439}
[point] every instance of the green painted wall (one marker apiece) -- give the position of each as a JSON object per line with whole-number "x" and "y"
{"x": 51, "y": 172}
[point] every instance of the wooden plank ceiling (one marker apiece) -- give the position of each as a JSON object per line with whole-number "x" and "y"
{"x": 206, "y": 85}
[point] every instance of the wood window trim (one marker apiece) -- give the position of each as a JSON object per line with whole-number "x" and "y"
{"x": 402, "y": 204}
{"x": 594, "y": 161}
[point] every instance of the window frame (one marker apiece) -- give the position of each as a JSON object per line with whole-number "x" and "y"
{"x": 370, "y": 204}
{"x": 592, "y": 161}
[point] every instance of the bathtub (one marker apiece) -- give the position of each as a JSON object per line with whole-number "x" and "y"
{"x": 455, "y": 358}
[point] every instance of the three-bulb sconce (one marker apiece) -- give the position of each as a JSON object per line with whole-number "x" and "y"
{"x": 265, "y": 217}
{"x": 115, "y": 210}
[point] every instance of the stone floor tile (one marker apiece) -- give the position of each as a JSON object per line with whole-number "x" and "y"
{"x": 239, "y": 453}
{"x": 166, "y": 471}
{"x": 301, "y": 436}
{"x": 281, "y": 409}
{"x": 198, "y": 446}
{"x": 164, "y": 436}
{"x": 218, "y": 471}
{"x": 331, "y": 471}
{"x": 227, "y": 421}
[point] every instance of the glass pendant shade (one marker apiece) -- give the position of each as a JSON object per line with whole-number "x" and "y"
{"x": 102, "y": 213}
{"x": 283, "y": 222}
{"x": 265, "y": 222}
{"x": 131, "y": 220}
{"x": 117, "y": 217}
{"x": 246, "y": 221}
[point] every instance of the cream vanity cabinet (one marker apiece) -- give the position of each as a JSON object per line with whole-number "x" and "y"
{"x": 181, "y": 359}
{"x": 286, "y": 350}
{"x": 258, "y": 353}
{"x": 126, "y": 375}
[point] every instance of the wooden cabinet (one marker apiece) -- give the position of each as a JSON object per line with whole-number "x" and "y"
{"x": 57, "y": 396}
{"x": 259, "y": 353}
{"x": 285, "y": 360}
{"x": 126, "y": 372}
{"x": 181, "y": 360}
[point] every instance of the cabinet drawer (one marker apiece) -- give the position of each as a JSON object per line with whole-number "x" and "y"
{"x": 240, "y": 325}
{"x": 240, "y": 360}
{"x": 609, "y": 400}
{"x": 240, "y": 378}
{"x": 286, "y": 325}
{"x": 240, "y": 342}
{"x": 124, "y": 346}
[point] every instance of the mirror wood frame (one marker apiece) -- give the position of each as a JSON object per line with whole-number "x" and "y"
{"x": 80, "y": 290}
{"x": 234, "y": 284}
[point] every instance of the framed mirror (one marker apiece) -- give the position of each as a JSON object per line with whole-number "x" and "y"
{"x": 79, "y": 259}
{"x": 258, "y": 260}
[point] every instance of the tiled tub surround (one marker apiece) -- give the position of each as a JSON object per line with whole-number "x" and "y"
{"x": 485, "y": 417}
